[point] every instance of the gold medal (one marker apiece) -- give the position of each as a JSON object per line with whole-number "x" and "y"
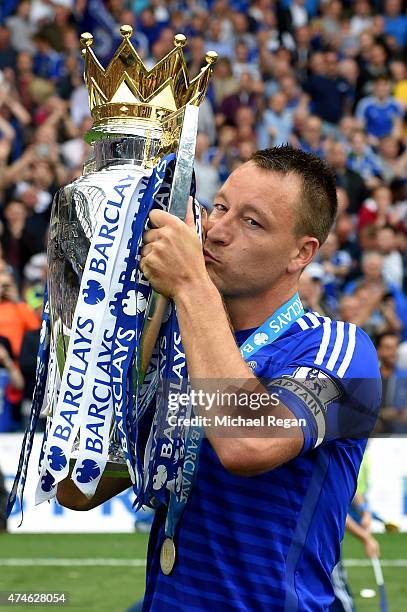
{"x": 167, "y": 556}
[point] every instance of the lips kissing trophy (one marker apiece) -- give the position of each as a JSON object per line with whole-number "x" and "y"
{"x": 108, "y": 342}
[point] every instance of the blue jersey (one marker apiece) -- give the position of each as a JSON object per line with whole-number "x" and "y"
{"x": 378, "y": 116}
{"x": 270, "y": 542}
{"x": 396, "y": 27}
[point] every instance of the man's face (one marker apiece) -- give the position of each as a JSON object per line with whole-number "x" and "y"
{"x": 337, "y": 157}
{"x": 312, "y": 129}
{"x": 378, "y": 55}
{"x": 387, "y": 350}
{"x": 278, "y": 102}
{"x": 386, "y": 240}
{"x": 302, "y": 35}
{"x": 372, "y": 268}
{"x": 309, "y": 289}
{"x": 250, "y": 234}
{"x": 392, "y": 7}
{"x": 362, "y": 8}
{"x": 331, "y": 63}
{"x": 358, "y": 144}
{"x": 6, "y": 285}
{"x": 382, "y": 89}
{"x": 241, "y": 52}
{"x": 349, "y": 308}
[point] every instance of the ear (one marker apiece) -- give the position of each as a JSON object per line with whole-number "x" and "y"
{"x": 306, "y": 250}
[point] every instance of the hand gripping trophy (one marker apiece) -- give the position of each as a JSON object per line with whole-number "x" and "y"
{"x": 107, "y": 340}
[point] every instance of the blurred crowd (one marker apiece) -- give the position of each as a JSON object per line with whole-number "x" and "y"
{"x": 328, "y": 76}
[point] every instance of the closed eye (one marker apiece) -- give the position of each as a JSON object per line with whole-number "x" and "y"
{"x": 252, "y": 222}
{"x": 220, "y": 207}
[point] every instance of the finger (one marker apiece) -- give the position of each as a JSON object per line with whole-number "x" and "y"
{"x": 146, "y": 250}
{"x": 144, "y": 267}
{"x": 204, "y": 222}
{"x": 150, "y": 236}
{"x": 189, "y": 219}
{"x": 146, "y": 273}
{"x": 161, "y": 218}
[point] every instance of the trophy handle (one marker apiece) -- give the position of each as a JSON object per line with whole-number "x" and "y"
{"x": 181, "y": 182}
{"x": 155, "y": 313}
{"x": 178, "y": 206}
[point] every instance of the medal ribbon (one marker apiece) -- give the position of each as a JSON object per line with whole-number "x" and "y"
{"x": 273, "y": 327}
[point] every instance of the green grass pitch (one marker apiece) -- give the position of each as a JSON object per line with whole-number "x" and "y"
{"x": 113, "y": 588}
{"x": 393, "y": 550}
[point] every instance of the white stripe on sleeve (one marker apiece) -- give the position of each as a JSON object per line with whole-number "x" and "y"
{"x": 303, "y": 324}
{"x": 324, "y": 342}
{"x": 349, "y": 351}
{"x": 340, "y": 326}
{"x": 314, "y": 320}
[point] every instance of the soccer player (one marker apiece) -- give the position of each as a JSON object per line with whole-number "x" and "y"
{"x": 263, "y": 525}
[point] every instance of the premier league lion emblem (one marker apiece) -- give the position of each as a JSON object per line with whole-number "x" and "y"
{"x": 319, "y": 383}
{"x": 93, "y": 293}
{"x": 88, "y": 471}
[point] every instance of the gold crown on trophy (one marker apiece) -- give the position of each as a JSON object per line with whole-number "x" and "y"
{"x": 126, "y": 92}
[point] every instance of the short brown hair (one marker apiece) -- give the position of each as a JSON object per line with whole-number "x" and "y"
{"x": 318, "y": 201}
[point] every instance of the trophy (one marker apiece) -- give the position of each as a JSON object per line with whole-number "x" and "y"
{"x": 101, "y": 319}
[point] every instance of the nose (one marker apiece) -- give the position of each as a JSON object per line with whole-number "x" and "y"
{"x": 219, "y": 228}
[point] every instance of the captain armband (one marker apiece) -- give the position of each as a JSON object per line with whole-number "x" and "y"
{"x": 307, "y": 393}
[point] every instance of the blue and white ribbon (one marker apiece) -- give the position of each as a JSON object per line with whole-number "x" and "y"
{"x": 104, "y": 401}
{"x": 129, "y": 306}
{"x": 189, "y": 451}
{"x": 102, "y": 362}
{"x": 166, "y": 449}
{"x": 17, "y": 489}
{"x": 84, "y": 403}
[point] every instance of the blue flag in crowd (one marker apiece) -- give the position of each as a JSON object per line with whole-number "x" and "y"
{"x": 97, "y": 20}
